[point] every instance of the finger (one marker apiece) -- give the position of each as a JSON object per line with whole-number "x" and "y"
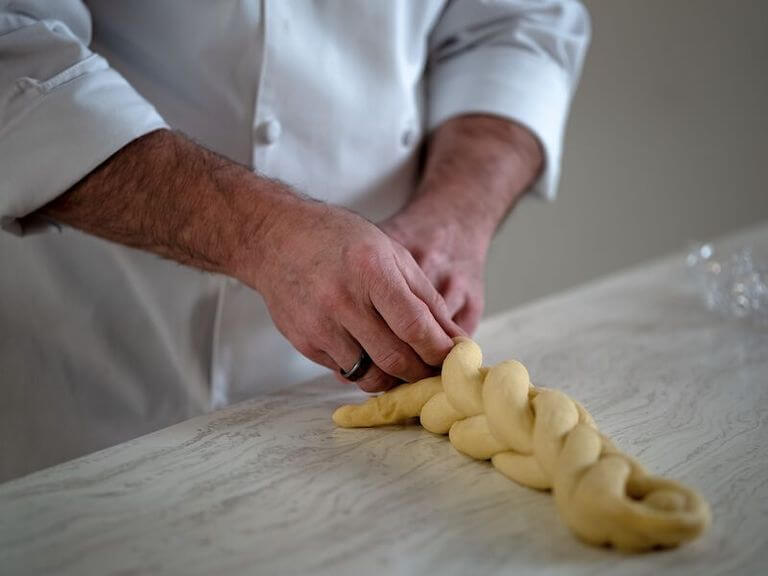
{"x": 425, "y": 291}
{"x": 316, "y": 355}
{"x": 454, "y": 295}
{"x": 375, "y": 380}
{"x": 344, "y": 352}
{"x": 410, "y": 319}
{"x": 386, "y": 350}
{"x": 469, "y": 315}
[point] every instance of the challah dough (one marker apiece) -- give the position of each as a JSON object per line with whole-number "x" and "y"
{"x": 543, "y": 439}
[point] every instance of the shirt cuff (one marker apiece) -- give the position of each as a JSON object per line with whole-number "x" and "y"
{"x": 516, "y": 85}
{"x": 58, "y": 131}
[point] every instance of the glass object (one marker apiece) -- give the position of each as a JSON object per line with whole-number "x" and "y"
{"x": 734, "y": 284}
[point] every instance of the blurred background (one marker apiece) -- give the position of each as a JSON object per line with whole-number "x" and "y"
{"x": 667, "y": 143}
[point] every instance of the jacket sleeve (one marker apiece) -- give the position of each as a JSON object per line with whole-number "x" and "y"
{"x": 519, "y": 59}
{"x": 63, "y": 110}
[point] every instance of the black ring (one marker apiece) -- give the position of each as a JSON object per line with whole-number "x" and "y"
{"x": 358, "y": 370}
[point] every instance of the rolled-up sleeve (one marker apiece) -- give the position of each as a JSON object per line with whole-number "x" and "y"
{"x": 517, "y": 59}
{"x": 63, "y": 110}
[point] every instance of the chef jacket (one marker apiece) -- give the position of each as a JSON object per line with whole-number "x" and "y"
{"x": 100, "y": 342}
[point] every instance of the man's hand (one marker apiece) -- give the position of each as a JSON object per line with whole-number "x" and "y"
{"x": 333, "y": 282}
{"x": 452, "y": 257}
{"x": 477, "y": 168}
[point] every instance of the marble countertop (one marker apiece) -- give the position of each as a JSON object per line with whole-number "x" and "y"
{"x": 269, "y": 486}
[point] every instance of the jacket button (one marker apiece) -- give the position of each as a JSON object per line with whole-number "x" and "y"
{"x": 270, "y": 131}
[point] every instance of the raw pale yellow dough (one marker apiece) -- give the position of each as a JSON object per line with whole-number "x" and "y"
{"x": 543, "y": 439}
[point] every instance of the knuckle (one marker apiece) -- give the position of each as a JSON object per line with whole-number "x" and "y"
{"x": 331, "y": 300}
{"x": 440, "y": 304}
{"x": 376, "y": 381}
{"x": 416, "y": 328}
{"x": 454, "y": 283}
{"x": 324, "y": 339}
{"x": 435, "y": 260}
{"x": 305, "y": 347}
{"x": 365, "y": 257}
{"x": 418, "y": 255}
{"x": 371, "y": 264}
{"x": 328, "y": 297}
{"x": 475, "y": 302}
{"x": 393, "y": 362}
{"x": 429, "y": 261}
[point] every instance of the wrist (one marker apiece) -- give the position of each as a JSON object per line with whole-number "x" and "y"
{"x": 477, "y": 168}
{"x": 262, "y": 236}
{"x": 429, "y": 224}
{"x": 453, "y": 210}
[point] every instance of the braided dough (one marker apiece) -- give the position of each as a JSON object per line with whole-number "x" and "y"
{"x": 543, "y": 439}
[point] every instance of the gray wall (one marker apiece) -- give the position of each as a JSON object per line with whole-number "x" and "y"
{"x": 667, "y": 142}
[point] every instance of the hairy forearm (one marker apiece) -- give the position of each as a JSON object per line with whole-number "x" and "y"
{"x": 167, "y": 195}
{"x": 333, "y": 282}
{"x": 477, "y": 167}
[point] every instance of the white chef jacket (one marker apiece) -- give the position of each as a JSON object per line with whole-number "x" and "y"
{"x": 99, "y": 342}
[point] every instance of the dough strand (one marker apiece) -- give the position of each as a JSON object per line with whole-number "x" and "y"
{"x": 545, "y": 440}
